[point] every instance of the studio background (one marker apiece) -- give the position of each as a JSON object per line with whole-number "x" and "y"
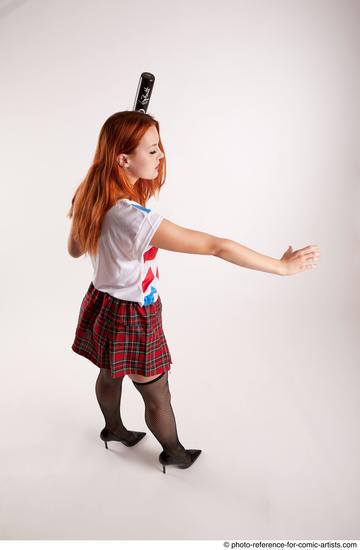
{"x": 259, "y": 115}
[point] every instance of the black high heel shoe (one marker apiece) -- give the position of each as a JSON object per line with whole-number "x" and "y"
{"x": 167, "y": 460}
{"x": 106, "y": 435}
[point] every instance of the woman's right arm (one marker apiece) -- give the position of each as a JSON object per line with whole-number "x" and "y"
{"x": 170, "y": 236}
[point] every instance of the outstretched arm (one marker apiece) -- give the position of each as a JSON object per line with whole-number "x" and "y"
{"x": 243, "y": 256}
{"x": 170, "y": 236}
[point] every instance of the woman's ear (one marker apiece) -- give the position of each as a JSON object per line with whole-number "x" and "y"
{"x": 122, "y": 161}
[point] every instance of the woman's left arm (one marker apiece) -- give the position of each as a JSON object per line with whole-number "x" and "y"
{"x": 74, "y": 248}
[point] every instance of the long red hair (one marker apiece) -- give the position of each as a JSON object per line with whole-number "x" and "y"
{"x": 106, "y": 180}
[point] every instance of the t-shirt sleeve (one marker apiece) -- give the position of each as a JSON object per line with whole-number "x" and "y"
{"x": 148, "y": 226}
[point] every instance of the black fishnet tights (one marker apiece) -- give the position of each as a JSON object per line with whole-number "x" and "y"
{"x": 108, "y": 393}
{"x": 159, "y": 415}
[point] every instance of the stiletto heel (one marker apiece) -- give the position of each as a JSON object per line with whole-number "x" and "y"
{"x": 106, "y": 435}
{"x": 168, "y": 460}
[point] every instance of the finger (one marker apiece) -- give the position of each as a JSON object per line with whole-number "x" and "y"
{"x": 310, "y": 248}
{"x": 311, "y": 257}
{"x": 305, "y": 249}
{"x": 311, "y": 254}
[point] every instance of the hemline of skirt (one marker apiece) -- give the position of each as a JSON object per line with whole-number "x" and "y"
{"x": 88, "y": 356}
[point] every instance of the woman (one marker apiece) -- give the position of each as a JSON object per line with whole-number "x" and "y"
{"x": 120, "y": 321}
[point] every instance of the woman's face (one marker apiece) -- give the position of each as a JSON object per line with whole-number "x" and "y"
{"x": 144, "y": 161}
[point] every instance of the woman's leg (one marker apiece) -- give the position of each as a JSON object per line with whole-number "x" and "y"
{"x": 108, "y": 393}
{"x": 159, "y": 415}
{"x": 141, "y": 378}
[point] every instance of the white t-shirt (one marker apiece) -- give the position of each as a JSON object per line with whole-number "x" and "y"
{"x": 125, "y": 265}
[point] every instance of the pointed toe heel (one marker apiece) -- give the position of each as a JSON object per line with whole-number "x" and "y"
{"x": 167, "y": 460}
{"x": 106, "y": 435}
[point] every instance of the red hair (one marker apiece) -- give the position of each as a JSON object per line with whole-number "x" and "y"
{"x": 106, "y": 180}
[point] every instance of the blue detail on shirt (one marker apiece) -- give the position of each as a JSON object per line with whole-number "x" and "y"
{"x": 141, "y": 207}
{"x": 149, "y": 299}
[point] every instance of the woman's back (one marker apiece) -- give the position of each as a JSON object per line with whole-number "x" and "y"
{"x": 125, "y": 265}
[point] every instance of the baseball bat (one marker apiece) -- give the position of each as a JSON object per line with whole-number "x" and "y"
{"x": 143, "y": 92}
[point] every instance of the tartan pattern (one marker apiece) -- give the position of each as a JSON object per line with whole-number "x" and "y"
{"x": 121, "y": 335}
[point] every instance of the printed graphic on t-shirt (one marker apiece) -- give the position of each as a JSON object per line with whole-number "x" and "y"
{"x": 141, "y": 207}
{"x": 149, "y": 265}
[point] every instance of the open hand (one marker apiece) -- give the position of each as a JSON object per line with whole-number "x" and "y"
{"x": 299, "y": 260}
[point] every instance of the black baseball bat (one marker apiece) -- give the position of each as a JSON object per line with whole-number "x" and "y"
{"x": 143, "y": 92}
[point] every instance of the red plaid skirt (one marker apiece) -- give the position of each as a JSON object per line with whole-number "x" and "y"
{"x": 121, "y": 335}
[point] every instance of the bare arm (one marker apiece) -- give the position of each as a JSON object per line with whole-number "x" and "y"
{"x": 239, "y": 254}
{"x": 74, "y": 248}
{"x": 170, "y": 236}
